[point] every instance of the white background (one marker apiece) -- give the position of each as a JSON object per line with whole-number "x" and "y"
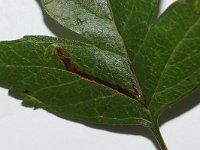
{"x": 24, "y": 129}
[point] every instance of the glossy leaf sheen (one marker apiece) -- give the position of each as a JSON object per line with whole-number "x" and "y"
{"x": 125, "y": 46}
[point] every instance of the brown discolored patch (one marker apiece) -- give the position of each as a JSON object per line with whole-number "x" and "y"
{"x": 71, "y": 68}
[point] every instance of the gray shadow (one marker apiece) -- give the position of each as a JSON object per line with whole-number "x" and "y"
{"x": 125, "y": 129}
{"x": 185, "y": 105}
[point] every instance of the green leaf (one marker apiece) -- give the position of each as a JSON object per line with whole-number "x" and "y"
{"x": 94, "y": 80}
{"x": 133, "y": 19}
{"x": 105, "y": 23}
{"x": 41, "y": 80}
{"x": 170, "y": 58}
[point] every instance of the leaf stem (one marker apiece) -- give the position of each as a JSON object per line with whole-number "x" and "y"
{"x": 156, "y": 133}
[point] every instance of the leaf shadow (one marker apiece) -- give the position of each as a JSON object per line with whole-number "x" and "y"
{"x": 185, "y": 105}
{"x": 128, "y": 130}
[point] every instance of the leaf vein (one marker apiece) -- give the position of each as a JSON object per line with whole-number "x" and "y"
{"x": 172, "y": 54}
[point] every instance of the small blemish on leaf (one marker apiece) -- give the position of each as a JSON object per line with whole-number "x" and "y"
{"x": 196, "y": 4}
{"x": 100, "y": 118}
{"x": 79, "y": 21}
{"x": 27, "y": 92}
{"x": 50, "y": 51}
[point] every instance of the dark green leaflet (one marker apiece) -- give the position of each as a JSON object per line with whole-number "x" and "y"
{"x": 126, "y": 49}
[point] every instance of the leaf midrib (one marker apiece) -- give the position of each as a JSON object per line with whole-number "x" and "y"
{"x": 137, "y": 86}
{"x": 171, "y": 55}
{"x": 148, "y": 23}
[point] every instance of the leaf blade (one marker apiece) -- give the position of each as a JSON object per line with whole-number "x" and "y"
{"x": 164, "y": 47}
{"x": 51, "y": 87}
{"x": 86, "y": 22}
{"x": 133, "y": 19}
